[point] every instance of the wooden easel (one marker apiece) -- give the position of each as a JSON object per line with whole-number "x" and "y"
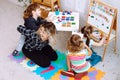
{"x": 114, "y": 27}
{"x": 100, "y": 11}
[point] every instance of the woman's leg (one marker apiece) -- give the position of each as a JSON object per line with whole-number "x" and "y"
{"x": 37, "y": 57}
{"x": 48, "y": 51}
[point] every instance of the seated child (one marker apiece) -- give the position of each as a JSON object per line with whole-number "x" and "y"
{"x": 89, "y": 40}
{"x": 76, "y": 57}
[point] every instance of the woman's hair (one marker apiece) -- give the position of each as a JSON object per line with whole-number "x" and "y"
{"x": 30, "y": 8}
{"x": 87, "y": 30}
{"x": 49, "y": 28}
{"x": 75, "y": 44}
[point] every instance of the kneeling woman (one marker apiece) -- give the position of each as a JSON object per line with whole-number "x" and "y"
{"x": 37, "y": 46}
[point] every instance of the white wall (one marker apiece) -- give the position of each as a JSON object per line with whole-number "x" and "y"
{"x": 82, "y": 7}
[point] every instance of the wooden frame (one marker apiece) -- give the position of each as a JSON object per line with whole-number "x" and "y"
{"x": 103, "y": 17}
{"x": 50, "y": 4}
{"x": 55, "y": 4}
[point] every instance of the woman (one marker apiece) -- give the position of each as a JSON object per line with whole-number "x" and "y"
{"x": 37, "y": 46}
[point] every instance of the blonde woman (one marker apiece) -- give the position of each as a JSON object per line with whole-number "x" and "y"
{"x": 37, "y": 46}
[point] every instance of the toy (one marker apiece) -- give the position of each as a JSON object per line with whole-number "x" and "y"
{"x": 66, "y": 12}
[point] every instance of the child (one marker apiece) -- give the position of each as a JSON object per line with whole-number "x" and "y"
{"x": 76, "y": 57}
{"x": 87, "y": 32}
{"x": 32, "y": 20}
{"x": 37, "y": 46}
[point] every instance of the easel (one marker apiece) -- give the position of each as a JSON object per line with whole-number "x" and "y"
{"x": 102, "y": 13}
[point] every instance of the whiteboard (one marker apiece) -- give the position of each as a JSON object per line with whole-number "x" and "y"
{"x": 100, "y": 16}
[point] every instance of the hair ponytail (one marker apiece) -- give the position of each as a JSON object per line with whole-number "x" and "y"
{"x": 87, "y": 41}
{"x": 87, "y": 30}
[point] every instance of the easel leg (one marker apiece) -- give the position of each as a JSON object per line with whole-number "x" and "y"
{"x": 115, "y": 46}
{"x": 104, "y": 52}
{"x": 116, "y": 26}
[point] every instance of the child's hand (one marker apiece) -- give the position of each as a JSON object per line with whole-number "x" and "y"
{"x": 104, "y": 35}
{"x": 104, "y": 38}
{"x": 49, "y": 19}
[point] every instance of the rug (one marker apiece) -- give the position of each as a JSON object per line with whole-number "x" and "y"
{"x": 93, "y": 74}
{"x": 53, "y": 71}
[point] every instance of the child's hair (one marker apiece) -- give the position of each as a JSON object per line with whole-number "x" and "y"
{"x": 75, "y": 44}
{"x": 87, "y": 30}
{"x": 30, "y": 8}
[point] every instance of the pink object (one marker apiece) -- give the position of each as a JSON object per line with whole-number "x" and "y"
{"x": 47, "y": 70}
{"x": 31, "y": 62}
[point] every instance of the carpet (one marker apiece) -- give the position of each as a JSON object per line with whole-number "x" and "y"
{"x": 93, "y": 74}
{"x": 53, "y": 71}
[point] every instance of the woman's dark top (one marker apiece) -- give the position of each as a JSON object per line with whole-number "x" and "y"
{"x": 33, "y": 42}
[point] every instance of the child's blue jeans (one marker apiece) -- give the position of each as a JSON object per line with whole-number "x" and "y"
{"x": 94, "y": 59}
{"x": 20, "y": 43}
